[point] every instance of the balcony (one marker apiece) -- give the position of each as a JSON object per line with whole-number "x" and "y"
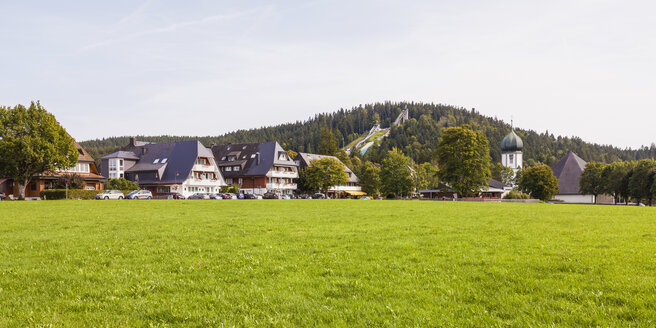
{"x": 282, "y": 174}
{"x": 280, "y": 186}
{"x": 204, "y": 168}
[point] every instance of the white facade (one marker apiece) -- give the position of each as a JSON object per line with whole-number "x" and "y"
{"x": 513, "y": 160}
{"x": 576, "y": 199}
{"x": 116, "y": 168}
{"x": 204, "y": 178}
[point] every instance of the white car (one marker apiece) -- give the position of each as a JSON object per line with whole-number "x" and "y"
{"x": 139, "y": 194}
{"x": 110, "y": 194}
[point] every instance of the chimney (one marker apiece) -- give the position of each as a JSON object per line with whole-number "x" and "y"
{"x": 257, "y": 156}
{"x": 133, "y": 142}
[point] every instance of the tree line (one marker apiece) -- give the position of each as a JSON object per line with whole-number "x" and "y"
{"x": 417, "y": 138}
{"x": 624, "y": 180}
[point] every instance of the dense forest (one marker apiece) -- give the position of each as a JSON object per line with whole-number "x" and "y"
{"x": 417, "y": 138}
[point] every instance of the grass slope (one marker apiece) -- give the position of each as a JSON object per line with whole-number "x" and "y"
{"x": 325, "y": 263}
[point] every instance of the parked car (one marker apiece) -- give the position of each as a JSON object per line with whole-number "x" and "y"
{"x": 285, "y": 197}
{"x": 259, "y": 196}
{"x": 270, "y": 195}
{"x": 215, "y": 196}
{"x": 319, "y": 196}
{"x": 199, "y": 196}
{"x": 365, "y": 198}
{"x": 304, "y": 196}
{"x": 139, "y": 194}
{"x": 229, "y": 196}
{"x": 250, "y": 196}
{"x": 110, "y": 194}
{"x": 175, "y": 195}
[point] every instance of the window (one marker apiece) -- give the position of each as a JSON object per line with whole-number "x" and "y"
{"x": 33, "y": 186}
{"x": 511, "y": 158}
{"x": 228, "y": 168}
{"x": 236, "y": 168}
{"x": 163, "y": 160}
{"x": 163, "y": 190}
{"x": 240, "y": 181}
{"x": 156, "y": 161}
{"x": 282, "y": 156}
{"x": 79, "y": 150}
{"x": 231, "y": 158}
{"x": 253, "y": 156}
{"x": 223, "y": 158}
{"x": 229, "y": 181}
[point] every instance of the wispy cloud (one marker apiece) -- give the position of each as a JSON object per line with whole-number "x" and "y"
{"x": 171, "y": 27}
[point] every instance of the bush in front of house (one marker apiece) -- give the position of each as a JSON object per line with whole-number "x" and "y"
{"x": 514, "y": 194}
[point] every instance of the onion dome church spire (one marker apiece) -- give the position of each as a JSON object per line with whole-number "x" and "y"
{"x": 511, "y": 150}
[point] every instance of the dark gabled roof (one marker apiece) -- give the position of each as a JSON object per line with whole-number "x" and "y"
{"x": 496, "y": 184}
{"x": 568, "y": 172}
{"x": 82, "y": 155}
{"x": 255, "y": 159}
{"x": 122, "y": 154}
{"x": 180, "y": 159}
{"x": 306, "y": 158}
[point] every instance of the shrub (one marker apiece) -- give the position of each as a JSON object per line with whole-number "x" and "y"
{"x": 514, "y": 194}
{"x": 121, "y": 184}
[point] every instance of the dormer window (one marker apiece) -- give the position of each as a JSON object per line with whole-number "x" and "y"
{"x": 282, "y": 156}
{"x": 164, "y": 160}
{"x": 156, "y": 161}
{"x": 231, "y": 158}
{"x": 223, "y": 158}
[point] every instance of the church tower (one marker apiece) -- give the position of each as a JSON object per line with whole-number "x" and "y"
{"x": 511, "y": 151}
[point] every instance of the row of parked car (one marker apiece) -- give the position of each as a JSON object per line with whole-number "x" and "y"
{"x": 146, "y": 194}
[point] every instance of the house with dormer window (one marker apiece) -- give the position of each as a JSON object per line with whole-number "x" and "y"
{"x": 257, "y": 168}
{"x": 185, "y": 167}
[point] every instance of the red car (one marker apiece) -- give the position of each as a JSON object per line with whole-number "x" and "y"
{"x": 175, "y": 195}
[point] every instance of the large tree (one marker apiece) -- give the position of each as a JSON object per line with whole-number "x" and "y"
{"x": 395, "y": 175}
{"x": 641, "y": 180}
{"x": 539, "y": 182}
{"x": 592, "y": 182}
{"x": 369, "y": 176}
{"x": 32, "y": 142}
{"x": 463, "y": 156}
{"x": 324, "y": 173}
{"x": 612, "y": 177}
{"x": 425, "y": 176}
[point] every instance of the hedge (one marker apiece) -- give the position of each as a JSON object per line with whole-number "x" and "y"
{"x": 73, "y": 194}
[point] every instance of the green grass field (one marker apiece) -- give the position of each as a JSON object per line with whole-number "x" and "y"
{"x": 325, "y": 263}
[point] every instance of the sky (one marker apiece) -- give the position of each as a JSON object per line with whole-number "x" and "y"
{"x": 110, "y": 68}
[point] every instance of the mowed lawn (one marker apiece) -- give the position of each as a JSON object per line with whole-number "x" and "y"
{"x": 325, "y": 263}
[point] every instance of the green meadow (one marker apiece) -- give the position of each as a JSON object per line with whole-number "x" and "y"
{"x": 285, "y": 263}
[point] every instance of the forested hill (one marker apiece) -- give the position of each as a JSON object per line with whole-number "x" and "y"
{"x": 417, "y": 138}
